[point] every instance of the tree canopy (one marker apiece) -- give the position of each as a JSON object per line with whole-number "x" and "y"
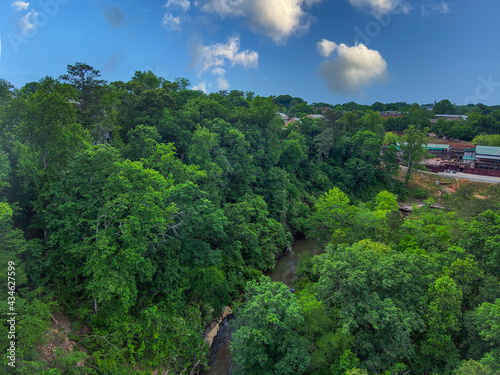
{"x": 136, "y": 212}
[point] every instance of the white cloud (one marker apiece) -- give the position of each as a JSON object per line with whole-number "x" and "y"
{"x": 182, "y": 4}
{"x": 218, "y": 55}
{"x": 326, "y": 47}
{"x": 219, "y": 71}
{"x": 25, "y": 23}
{"x": 222, "y": 83}
{"x": 171, "y": 22}
{"x": 442, "y": 8}
{"x": 382, "y": 7}
{"x": 277, "y": 19}
{"x": 202, "y": 86}
{"x": 224, "y": 7}
{"x": 353, "y": 68}
{"x": 20, "y": 5}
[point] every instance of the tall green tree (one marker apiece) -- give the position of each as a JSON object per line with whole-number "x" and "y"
{"x": 265, "y": 338}
{"x": 333, "y": 215}
{"x": 439, "y": 352}
{"x": 413, "y": 149}
{"x": 50, "y": 132}
{"x": 6, "y": 90}
{"x": 90, "y": 101}
{"x": 259, "y": 237}
{"x": 377, "y": 296}
{"x": 487, "y": 140}
{"x": 13, "y": 245}
{"x": 444, "y": 107}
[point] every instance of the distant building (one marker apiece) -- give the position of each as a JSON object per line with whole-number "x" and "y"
{"x": 283, "y": 116}
{"x": 292, "y": 120}
{"x": 316, "y": 117}
{"x": 469, "y": 156}
{"x": 392, "y": 114}
{"x": 461, "y": 157}
{"x": 487, "y": 157}
{"x": 437, "y": 149}
{"x": 322, "y": 109}
{"x": 451, "y": 117}
{"x": 297, "y": 119}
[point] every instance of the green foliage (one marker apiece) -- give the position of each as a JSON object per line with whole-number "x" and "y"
{"x": 265, "y": 338}
{"x": 49, "y": 130}
{"x": 439, "y": 353}
{"x": 5, "y": 90}
{"x": 13, "y": 245}
{"x": 480, "y": 237}
{"x": 390, "y": 139}
{"x": 444, "y": 107}
{"x": 487, "y": 321}
{"x": 333, "y": 213}
{"x": 141, "y": 140}
{"x": 30, "y": 326}
{"x": 339, "y": 222}
{"x": 487, "y": 140}
{"x": 143, "y": 253}
{"x": 412, "y": 148}
{"x": 5, "y": 170}
{"x": 472, "y": 367}
{"x": 379, "y": 296}
{"x": 259, "y": 238}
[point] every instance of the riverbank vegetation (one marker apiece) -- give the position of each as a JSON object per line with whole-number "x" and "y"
{"x": 136, "y": 211}
{"x": 392, "y": 294}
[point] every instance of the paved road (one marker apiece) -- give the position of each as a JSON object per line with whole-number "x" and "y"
{"x": 470, "y": 177}
{"x": 463, "y": 176}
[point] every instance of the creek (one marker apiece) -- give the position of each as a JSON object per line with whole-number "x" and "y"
{"x": 284, "y": 271}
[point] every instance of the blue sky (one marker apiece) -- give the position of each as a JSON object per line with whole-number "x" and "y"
{"x": 320, "y": 50}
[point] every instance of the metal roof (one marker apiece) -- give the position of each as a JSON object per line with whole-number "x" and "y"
{"x": 436, "y": 146}
{"x": 484, "y": 151}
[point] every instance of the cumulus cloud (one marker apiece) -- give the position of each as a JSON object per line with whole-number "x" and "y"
{"x": 181, "y": 4}
{"x": 442, "y": 8}
{"x": 114, "y": 15}
{"x": 25, "y": 23}
{"x": 353, "y": 68}
{"x": 171, "y": 22}
{"x": 381, "y": 7}
{"x": 20, "y": 5}
{"x": 218, "y": 55}
{"x": 222, "y": 83}
{"x": 277, "y": 19}
{"x": 326, "y": 47}
{"x": 202, "y": 86}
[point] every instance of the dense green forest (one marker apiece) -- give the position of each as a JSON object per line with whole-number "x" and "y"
{"x": 138, "y": 210}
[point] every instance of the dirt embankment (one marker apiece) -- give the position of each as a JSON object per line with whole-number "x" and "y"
{"x": 212, "y": 330}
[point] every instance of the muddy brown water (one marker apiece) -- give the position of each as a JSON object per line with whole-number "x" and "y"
{"x": 220, "y": 362}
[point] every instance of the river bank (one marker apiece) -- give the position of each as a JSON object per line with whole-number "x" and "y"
{"x": 220, "y": 362}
